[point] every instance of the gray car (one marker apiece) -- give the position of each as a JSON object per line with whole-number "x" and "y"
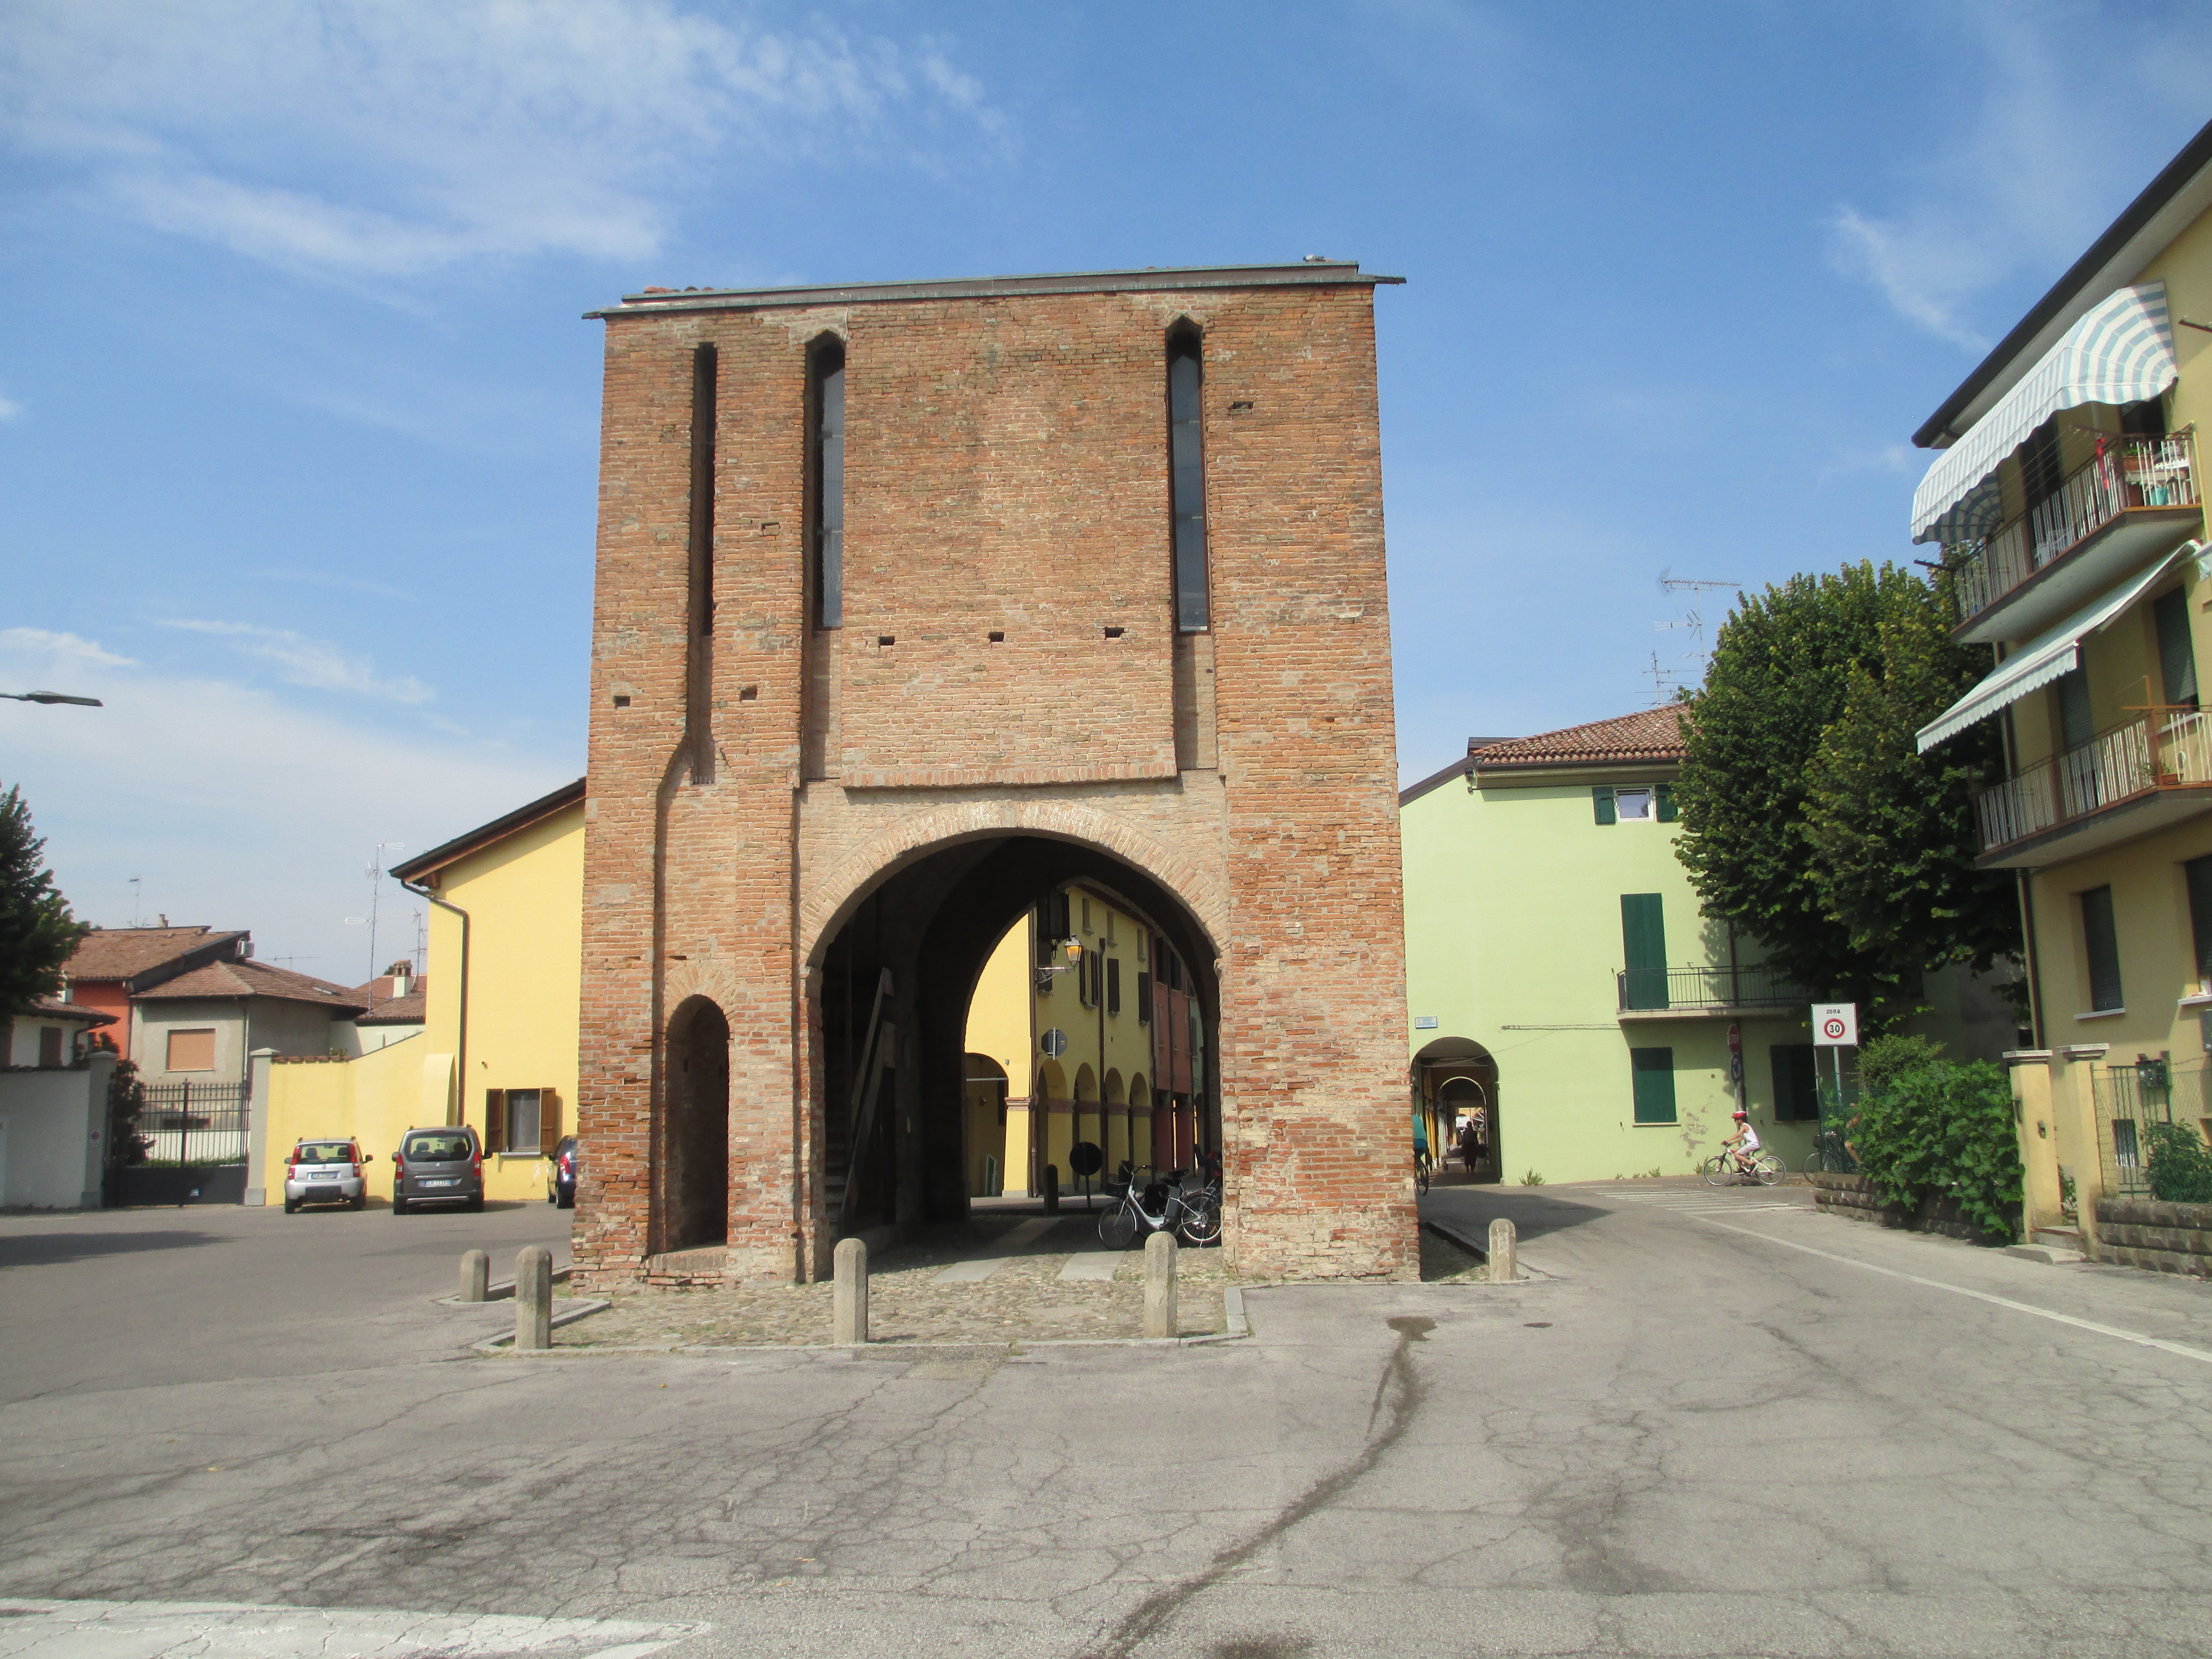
{"x": 325, "y": 1172}
{"x": 438, "y": 1166}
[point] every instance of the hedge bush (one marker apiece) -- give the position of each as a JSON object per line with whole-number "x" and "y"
{"x": 2180, "y": 1164}
{"x": 1943, "y": 1128}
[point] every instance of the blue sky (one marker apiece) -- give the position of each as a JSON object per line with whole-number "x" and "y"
{"x": 298, "y": 419}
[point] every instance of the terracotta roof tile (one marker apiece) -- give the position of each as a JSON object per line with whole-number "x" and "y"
{"x": 1649, "y": 737}
{"x": 249, "y": 978}
{"x": 124, "y": 952}
{"x": 54, "y": 1007}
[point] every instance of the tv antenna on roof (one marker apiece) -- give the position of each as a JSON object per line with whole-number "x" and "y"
{"x": 1671, "y": 583}
{"x": 1665, "y": 683}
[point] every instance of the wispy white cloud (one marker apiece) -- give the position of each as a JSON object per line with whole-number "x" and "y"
{"x": 310, "y": 662}
{"x": 238, "y": 807}
{"x": 9, "y": 409}
{"x": 389, "y": 138}
{"x": 34, "y": 642}
{"x": 2053, "y": 149}
{"x": 327, "y": 579}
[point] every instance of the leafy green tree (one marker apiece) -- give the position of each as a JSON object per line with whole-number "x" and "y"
{"x": 1809, "y": 817}
{"x": 37, "y": 931}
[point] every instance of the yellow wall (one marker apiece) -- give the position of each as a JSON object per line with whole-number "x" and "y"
{"x": 373, "y": 1098}
{"x": 524, "y": 894}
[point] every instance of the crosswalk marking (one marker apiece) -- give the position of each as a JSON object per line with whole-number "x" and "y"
{"x": 36, "y": 1629}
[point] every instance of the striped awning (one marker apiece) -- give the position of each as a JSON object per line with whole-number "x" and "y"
{"x": 2121, "y": 352}
{"x": 2050, "y": 654}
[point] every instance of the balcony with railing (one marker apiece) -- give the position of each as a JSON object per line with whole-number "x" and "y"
{"x": 2138, "y": 776}
{"x": 1705, "y": 993}
{"x": 2135, "y": 496}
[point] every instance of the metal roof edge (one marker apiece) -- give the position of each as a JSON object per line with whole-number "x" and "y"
{"x": 1166, "y": 278}
{"x": 521, "y": 818}
{"x": 2109, "y": 252}
{"x": 1436, "y": 780}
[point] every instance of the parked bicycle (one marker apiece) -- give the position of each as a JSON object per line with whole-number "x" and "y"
{"x": 1767, "y": 1169}
{"x": 1831, "y": 1154}
{"x": 1177, "y": 1202}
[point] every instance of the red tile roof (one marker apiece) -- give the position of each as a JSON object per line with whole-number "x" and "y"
{"x": 1650, "y": 737}
{"x": 126, "y": 952}
{"x": 55, "y": 1008}
{"x": 248, "y": 978}
{"x": 385, "y": 1009}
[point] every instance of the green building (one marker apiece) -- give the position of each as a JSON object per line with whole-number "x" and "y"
{"x": 1561, "y": 976}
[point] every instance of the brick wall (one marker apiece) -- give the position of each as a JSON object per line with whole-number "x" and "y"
{"x": 1005, "y": 470}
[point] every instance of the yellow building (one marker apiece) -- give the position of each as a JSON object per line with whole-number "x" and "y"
{"x": 498, "y": 1046}
{"x": 2068, "y": 501}
{"x": 1083, "y": 1029}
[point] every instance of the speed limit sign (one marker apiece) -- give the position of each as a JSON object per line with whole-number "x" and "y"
{"x": 1836, "y": 1025}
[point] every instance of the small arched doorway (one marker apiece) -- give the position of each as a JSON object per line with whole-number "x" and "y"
{"x": 1455, "y": 1078}
{"x": 695, "y": 1132}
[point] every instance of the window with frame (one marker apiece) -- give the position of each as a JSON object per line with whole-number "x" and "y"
{"x": 521, "y": 1128}
{"x": 1652, "y": 1073}
{"x": 192, "y": 1050}
{"x": 2197, "y": 872}
{"x": 2100, "y": 940}
{"x": 1632, "y": 805}
{"x": 1113, "y": 985}
{"x": 50, "y": 1046}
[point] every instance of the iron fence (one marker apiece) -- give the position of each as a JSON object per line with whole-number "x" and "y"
{"x": 2128, "y": 1100}
{"x": 1716, "y": 987}
{"x": 193, "y": 1125}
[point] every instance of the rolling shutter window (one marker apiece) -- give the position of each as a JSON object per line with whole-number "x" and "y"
{"x": 548, "y": 1121}
{"x": 495, "y": 1130}
{"x": 1602, "y": 802}
{"x": 1664, "y": 796}
{"x": 191, "y": 1051}
{"x": 1113, "y": 985}
{"x": 2177, "y": 657}
{"x": 2101, "y": 938}
{"x": 1653, "y": 1070}
{"x": 1796, "y": 1095}
{"x": 1643, "y": 951}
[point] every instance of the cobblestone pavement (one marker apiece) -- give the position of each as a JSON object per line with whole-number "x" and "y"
{"x": 1025, "y": 1300}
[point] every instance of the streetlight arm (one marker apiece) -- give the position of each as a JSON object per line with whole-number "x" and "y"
{"x": 51, "y": 696}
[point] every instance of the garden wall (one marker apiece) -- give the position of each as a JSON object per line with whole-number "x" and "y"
{"x": 1850, "y": 1196}
{"x": 2166, "y": 1238}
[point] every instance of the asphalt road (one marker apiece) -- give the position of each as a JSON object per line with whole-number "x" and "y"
{"x": 1707, "y": 1426}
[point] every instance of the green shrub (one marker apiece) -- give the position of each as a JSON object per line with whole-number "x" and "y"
{"x": 1532, "y": 1179}
{"x": 1884, "y": 1057}
{"x": 1937, "y": 1126}
{"x": 2180, "y": 1164}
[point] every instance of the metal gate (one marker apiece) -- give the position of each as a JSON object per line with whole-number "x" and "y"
{"x": 2128, "y": 1099}
{"x": 191, "y": 1146}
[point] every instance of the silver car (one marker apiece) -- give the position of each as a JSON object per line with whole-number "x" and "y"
{"x": 325, "y": 1172}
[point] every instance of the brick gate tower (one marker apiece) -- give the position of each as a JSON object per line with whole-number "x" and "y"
{"x": 916, "y": 602}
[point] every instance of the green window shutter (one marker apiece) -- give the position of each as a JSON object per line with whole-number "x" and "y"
{"x": 2176, "y": 656}
{"x": 1643, "y": 951}
{"x": 1663, "y": 797}
{"x": 1796, "y": 1095}
{"x": 1653, "y": 1070}
{"x": 1602, "y": 802}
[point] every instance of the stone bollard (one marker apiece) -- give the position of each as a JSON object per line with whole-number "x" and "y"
{"x": 533, "y": 1297}
{"x": 476, "y": 1274}
{"x": 1503, "y": 1244}
{"x": 1052, "y": 1189}
{"x": 848, "y": 1297}
{"x": 1160, "y": 1284}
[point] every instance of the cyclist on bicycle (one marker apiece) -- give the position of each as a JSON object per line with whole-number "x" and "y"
{"x": 1743, "y": 1145}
